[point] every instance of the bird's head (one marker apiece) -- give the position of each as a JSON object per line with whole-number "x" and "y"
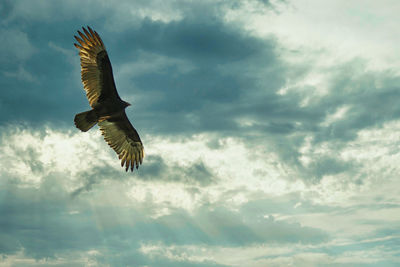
{"x": 126, "y": 104}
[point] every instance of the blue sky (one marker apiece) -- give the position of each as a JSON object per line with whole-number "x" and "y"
{"x": 271, "y": 132}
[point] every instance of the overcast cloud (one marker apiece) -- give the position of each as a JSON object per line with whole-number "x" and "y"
{"x": 271, "y": 131}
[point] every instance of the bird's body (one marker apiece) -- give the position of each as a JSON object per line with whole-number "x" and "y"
{"x": 108, "y": 109}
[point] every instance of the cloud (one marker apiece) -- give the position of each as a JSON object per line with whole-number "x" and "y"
{"x": 16, "y": 46}
{"x": 171, "y": 214}
{"x": 196, "y": 173}
{"x": 267, "y": 142}
{"x": 21, "y": 74}
{"x": 71, "y": 221}
{"x": 193, "y": 41}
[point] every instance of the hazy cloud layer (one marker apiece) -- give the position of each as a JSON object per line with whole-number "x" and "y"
{"x": 165, "y": 214}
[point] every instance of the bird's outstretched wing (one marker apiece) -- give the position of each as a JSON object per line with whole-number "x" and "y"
{"x": 96, "y": 70}
{"x": 123, "y": 138}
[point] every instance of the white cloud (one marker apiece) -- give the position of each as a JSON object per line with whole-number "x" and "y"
{"x": 337, "y": 115}
{"x": 21, "y": 74}
{"x": 267, "y": 255}
{"x": 338, "y": 30}
{"x": 70, "y": 54}
{"x": 235, "y": 165}
{"x": 16, "y": 46}
{"x": 84, "y": 258}
{"x": 231, "y": 256}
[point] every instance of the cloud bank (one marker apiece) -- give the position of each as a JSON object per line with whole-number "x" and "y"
{"x": 269, "y": 142}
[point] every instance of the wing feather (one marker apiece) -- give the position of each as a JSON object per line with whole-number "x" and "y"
{"x": 121, "y": 136}
{"x": 96, "y": 70}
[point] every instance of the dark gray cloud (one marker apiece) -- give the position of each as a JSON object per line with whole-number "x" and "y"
{"x": 195, "y": 174}
{"x": 203, "y": 40}
{"x": 371, "y": 96}
{"x": 211, "y": 96}
{"x": 155, "y": 169}
{"x": 6, "y": 8}
{"x": 36, "y": 221}
{"x": 233, "y": 77}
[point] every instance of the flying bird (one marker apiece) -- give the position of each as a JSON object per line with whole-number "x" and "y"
{"x": 108, "y": 109}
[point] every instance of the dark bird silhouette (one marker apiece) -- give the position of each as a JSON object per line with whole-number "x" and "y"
{"x": 108, "y": 109}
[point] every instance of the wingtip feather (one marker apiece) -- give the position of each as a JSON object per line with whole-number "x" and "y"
{"x": 98, "y": 38}
{"x": 92, "y": 36}
{"x": 85, "y": 38}
{"x": 78, "y": 46}
{"x": 89, "y": 36}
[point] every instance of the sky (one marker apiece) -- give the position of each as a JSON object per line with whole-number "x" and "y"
{"x": 271, "y": 131}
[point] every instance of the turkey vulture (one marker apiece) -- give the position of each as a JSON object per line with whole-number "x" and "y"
{"x": 108, "y": 109}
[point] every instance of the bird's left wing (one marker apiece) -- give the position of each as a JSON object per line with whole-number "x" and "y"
{"x": 96, "y": 71}
{"x": 124, "y": 139}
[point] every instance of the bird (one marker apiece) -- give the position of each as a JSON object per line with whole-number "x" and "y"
{"x": 108, "y": 109}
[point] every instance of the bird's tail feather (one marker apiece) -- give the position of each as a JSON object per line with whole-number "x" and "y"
{"x": 85, "y": 120}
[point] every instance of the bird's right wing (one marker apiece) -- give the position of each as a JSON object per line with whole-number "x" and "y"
{"x": 124, "y": 139}
{"x": 96, "y": 70}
